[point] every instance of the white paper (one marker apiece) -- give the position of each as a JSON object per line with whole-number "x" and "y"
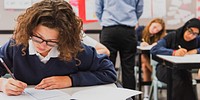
{"x": 43, "y": 94}
{"x": 148, "y": 47}
{"x": 105, "y": 93}
{"x": 20, "y": 97}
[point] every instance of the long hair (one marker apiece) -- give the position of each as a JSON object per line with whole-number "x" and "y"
{"x": 56, "y": 14}
{"x": 146, "y": 34}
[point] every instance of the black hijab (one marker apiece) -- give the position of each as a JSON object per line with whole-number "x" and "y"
{"x": 176, "y": 38}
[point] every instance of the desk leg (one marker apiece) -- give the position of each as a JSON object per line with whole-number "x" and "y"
{"x": 169, "y": 84}
{"x": 140, "y": 76}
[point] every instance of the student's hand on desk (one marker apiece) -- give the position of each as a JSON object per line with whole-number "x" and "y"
{"x": 12, "y": 87}
{"x": 144, "y": 44}
{"x": 194, "y": 51}
{"x": 55, "y": 82}
{"x": 180, "y": 52}
{"x": 154, "y": 43}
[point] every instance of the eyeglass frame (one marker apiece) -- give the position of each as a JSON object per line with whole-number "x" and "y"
{"x": 191, "y": 32}
{"x": 46, "y": 41}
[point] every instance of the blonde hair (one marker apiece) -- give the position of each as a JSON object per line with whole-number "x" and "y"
{"x": 56, "y": 14}
{"x": 146, "y": 34}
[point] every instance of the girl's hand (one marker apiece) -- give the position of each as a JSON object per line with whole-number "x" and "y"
{"x": 144, "y": 44}
{"x": 54, "y": 82}
{"x": 180, "y": 52}
{"x": 12, "y": 87}
{"x": 154, "y": 44}
{"x": 194, "y": 51}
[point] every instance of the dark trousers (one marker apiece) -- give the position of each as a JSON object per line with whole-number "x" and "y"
{"x": 182, "y": 83}
{"x": 122, "y": 38}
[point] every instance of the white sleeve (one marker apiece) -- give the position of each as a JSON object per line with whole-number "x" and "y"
{"x": 89, "y": 41}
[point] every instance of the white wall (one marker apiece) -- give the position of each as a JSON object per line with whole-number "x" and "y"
{"x": 4, "y": 38}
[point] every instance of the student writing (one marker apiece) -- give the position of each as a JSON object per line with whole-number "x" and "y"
{"x": 46, "y": 51}
{"x": 149, "y": 35}
{"x": 187, "y": 38}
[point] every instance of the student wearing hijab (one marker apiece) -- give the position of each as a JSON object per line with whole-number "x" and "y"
{"x": 186, "y": 37}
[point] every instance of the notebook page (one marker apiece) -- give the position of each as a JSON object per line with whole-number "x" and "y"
{"x": 105, "y": 93}
{"x": 43, "y": 94}
{"x": 24, "y": 96}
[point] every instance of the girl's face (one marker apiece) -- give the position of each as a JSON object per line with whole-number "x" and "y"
{"x": 44, "y": 39}
{"x": 191, "y": 33}
{"x": 155, "y": 28}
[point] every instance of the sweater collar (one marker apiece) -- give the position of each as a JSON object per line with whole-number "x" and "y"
{"x": 53, "y": 53}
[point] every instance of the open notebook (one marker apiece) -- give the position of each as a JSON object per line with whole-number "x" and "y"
{"x": 96, "y": 93}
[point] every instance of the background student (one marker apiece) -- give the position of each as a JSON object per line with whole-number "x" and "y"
{"x": 184, "y": 40}
{"x": 199, "y": 73}
{"x": 46, "y": 51}
{"x": 149, "y": 35}
{"x": 118, "y": 19}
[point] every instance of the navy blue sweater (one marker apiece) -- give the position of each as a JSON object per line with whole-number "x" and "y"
{"x": 94, "y": 69}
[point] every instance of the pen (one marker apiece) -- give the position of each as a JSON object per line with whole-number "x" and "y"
{"x": 143, "y": 40}
{"x": 7, "y": 68}
{"x": 179, "y": 46}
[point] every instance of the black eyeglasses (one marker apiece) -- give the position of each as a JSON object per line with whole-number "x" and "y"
{"x": 38, "y": 39}
{"x": 193, "y": 33}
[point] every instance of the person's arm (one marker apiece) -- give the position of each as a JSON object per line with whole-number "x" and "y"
{"x": 139, "y": 8}
{"x": 199, "y": 73}
{"x": 9, "y": 86}
{"x": 99, "y": 8}
{"x": 160, "y": 48}
{"x": 100, "y": 48}
{"x": 196, "y": 50}
{"x": 94, "y": 69}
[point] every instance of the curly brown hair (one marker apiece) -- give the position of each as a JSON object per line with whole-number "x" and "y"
{"x": 56, "y": 14}
{"x": 159, "y": 35}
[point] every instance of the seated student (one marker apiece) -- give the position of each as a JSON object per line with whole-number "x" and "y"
{"x": 46, "y": 51}
{"x": 184, "y": 40}
{"x": 149, "y": 35}
{"x": 100, "y": 48}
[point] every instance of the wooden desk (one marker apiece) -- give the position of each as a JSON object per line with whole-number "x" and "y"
{"x": 142, "y": 50}
{"x": 186, "y": 62}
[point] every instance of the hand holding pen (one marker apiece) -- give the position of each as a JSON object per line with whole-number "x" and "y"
{"x": 180, "y": 52}
{"x": 11, "y": 86}
{"x": 144, "y": 43}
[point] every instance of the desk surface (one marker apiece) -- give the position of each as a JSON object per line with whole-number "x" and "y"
{"x": 184, "y": 62}
{"x": 194, "y": 58}
{"x": 144, "y": 47}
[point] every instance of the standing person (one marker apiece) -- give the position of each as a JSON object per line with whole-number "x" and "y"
{"x": 149, "y": 35}
{"x": 46, "y": 51}
{"x": 183, "y": 41}
{"x": 118, "y": 19}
